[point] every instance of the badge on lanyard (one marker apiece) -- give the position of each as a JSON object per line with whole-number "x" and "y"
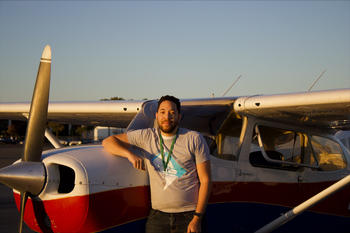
{"x": 161, "y": 142}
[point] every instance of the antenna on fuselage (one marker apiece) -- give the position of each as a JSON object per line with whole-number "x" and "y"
{"x": 316, "y": 80}
{"x": 228, "y": 89}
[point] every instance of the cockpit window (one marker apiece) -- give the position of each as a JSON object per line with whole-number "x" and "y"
{"x": 328, "y": 154}
{"x": 278, "y": 145}
{"x": 288, "y": 149}
{"x": 227, "y": 141}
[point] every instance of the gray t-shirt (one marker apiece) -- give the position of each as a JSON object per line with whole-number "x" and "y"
{"x": 176, "y": 189}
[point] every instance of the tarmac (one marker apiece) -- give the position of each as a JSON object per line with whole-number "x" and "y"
{"x": 9, "y": 215}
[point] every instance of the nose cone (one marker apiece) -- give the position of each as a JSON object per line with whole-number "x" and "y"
{"x": 24, "y": 176}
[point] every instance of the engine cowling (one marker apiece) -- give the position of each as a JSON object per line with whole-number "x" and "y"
{"x": 87, "y": 190}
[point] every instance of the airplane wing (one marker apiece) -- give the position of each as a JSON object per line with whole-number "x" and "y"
{"x": 102, "y": 113}
{"x": 322, "y": 109}
{"x": 121, "y": 113}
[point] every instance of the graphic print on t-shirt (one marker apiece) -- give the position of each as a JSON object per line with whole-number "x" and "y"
{"x": 173, "y": 171}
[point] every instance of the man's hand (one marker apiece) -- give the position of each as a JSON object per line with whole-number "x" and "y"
{"x": 194, "y": 225}
{"x": 136, "y": 161}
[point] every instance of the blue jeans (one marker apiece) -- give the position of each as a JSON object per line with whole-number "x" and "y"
{"x": 161, "y": 222}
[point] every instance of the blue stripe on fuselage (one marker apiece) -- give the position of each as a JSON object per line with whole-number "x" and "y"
{"x": 249, "y": 217}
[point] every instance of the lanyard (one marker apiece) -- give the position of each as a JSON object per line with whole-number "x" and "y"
{"x": 165, "y": 164}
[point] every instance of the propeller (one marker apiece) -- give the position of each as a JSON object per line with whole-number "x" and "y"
{"x": 29, "y": 175}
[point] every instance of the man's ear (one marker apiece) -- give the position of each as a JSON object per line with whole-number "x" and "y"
{"x": 180, "y": 116}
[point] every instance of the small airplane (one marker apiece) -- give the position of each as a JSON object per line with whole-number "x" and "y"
{"x": 269, "y": 154}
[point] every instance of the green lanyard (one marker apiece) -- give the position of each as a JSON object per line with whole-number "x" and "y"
{"x": 165, "y": 164}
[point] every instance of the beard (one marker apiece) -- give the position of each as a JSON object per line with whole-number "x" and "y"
{"x": 171, "y": 127}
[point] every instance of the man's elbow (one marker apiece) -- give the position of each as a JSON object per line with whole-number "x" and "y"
{"x": 105, "y": 141}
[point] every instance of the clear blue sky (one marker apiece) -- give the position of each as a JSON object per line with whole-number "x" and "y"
{"x": 145, "y": 49}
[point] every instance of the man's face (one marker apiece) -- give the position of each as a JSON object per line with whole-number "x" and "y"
{"x": 167, "y": 116}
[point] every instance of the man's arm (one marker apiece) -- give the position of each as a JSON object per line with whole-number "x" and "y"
{"x": 119, "y": 145}
{"x": 203, "y": 170}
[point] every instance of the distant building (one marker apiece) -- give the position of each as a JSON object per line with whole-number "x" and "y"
{"x": 101, "y": 132}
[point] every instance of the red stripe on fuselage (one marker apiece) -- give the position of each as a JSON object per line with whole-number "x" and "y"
{"x": 112, "y": 208}
{"x": 88, "y": 213}
{"x": 108, "y": 209}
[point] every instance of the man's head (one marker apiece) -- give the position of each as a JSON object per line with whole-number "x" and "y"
{"x": 168, "y": 114}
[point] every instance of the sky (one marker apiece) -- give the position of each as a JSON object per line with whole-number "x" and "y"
{"x": 190, "y": 49}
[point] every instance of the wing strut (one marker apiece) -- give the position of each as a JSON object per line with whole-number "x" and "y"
{"x": 49, "y": 136}
{"x": 53, "y": 139}
{"x": 305, "y": 205}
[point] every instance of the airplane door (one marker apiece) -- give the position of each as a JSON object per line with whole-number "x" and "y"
{"x": 329, "y": 166}
{"x": 264, "y": 189}
{"x": 273, "y": 164}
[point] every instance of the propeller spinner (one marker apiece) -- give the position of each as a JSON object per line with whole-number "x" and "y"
{"x": 29, "y": 175}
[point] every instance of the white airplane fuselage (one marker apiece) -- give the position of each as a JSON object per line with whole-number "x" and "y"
{"x": 89, "y": 190}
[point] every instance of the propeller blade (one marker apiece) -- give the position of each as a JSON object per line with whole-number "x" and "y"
{"x": 24, "y": 198}
{"x": 29, "y": 175}
{"x": 38, "y": 110}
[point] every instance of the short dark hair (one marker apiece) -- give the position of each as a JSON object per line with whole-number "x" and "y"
{"x": 170, "y": 98}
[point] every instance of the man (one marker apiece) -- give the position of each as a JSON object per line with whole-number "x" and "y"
{"x": 178, "y": 165}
